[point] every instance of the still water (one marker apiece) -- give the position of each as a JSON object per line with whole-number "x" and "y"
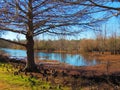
{"x": 72, "y": 59}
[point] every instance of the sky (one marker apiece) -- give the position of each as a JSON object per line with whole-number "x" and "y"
{"x": 112, "y": 26}
{"x": 13, "y": 36}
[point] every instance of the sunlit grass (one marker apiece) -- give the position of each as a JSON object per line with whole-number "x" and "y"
{"x": 9, "y": 81}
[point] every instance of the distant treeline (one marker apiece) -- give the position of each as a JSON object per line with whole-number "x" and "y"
{"x": 101, "y": 45}
{"x": 61, "y": 45}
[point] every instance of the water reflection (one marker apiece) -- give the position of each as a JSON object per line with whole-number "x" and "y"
{"x": 73, "y": 59}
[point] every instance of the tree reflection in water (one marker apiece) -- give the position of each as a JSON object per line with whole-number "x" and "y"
{"x": 72, "y": 59}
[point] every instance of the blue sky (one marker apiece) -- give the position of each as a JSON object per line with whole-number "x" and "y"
{"x": 112, "y": 26}
{"x": 10, "y": 35}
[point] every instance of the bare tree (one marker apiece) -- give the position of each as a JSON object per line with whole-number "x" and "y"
{"x": 34, "y": 17}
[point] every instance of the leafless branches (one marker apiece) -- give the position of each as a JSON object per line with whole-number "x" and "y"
{"x": 51, "y": 16}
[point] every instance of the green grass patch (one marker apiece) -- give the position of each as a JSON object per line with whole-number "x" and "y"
{"x": 9, "y": 81}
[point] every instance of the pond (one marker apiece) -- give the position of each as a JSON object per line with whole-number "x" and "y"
{"x": 72, "y": 59}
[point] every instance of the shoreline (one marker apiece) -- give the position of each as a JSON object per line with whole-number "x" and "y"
{"x": 104, "y": 58}
{"x": 64, "y": 75}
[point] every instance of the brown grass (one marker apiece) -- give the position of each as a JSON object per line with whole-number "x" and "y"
{"x": 107, "y": 60}
{"x": 105, "y": 57}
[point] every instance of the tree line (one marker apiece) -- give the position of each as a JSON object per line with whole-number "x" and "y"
{"x": 100, "y": 44}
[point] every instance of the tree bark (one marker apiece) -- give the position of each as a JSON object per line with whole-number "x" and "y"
{"x": 30, "y": 63}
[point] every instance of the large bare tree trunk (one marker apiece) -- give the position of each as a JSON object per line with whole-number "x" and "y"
{"x": 30, "y": 64}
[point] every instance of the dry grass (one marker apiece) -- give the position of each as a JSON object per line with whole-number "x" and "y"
{"x": 108, "y": 61}
{"x": 105, "y": 57}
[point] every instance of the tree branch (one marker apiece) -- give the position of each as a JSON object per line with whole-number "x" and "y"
{"x": 21, "y": 44}
{"x": 55, "y": 26}
{"x": 18, "y": 7}
{"x": 102, "y": 6}
{"x": 11, "y": 30}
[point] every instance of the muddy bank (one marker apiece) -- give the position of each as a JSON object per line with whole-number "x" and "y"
{"x": 101, "y": 69}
